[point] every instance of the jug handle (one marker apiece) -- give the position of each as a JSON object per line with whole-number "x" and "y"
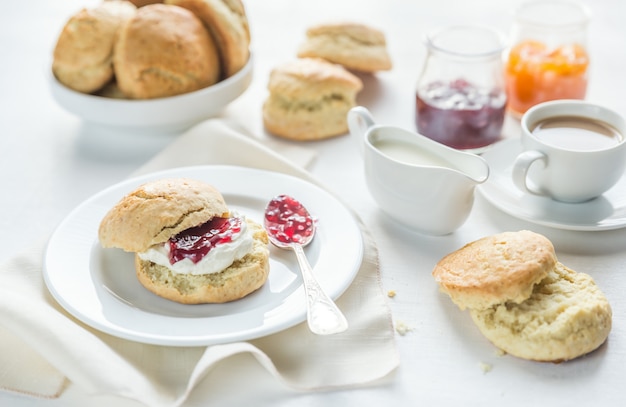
{"x": 359, "y": 121}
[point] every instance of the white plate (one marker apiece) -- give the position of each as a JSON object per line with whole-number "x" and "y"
{"x": 603, "y": 213}
{"x": 98, "y": 286}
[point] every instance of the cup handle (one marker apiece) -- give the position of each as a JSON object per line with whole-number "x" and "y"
{"x": 359, "y": 120}
{"x": 520, "y": 170}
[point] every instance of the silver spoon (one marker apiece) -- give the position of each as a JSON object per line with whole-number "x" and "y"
{"x": 290, "y": 226}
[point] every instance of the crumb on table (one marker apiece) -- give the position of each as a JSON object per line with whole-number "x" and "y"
{"x": 402, "y": 328}
{"x": 486, "y": 367}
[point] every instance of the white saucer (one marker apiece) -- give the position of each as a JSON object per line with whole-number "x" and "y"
{"x": 603, "y": 213}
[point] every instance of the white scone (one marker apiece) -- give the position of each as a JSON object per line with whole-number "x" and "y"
{"x": 83, "y": 55}
{"x": 309, "y": 99}
{"x": 495, "y": 269}
{"x": 227, "y": 22}
{"x": 164, "y": 50}
{"x": 355, "y": 46}
{"x": 189, "y": 247}
{"x": 566, "y": 316}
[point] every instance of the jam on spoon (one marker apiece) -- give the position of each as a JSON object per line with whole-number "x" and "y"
{"x": 290, "y": 226}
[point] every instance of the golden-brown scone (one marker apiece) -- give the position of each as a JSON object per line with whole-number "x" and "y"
{"x": 83, "y": 54}
{"x": 355, "y": 46}
{"x": 240, "y": 279}
{"x": 495, "y": 269}
{"x": 164, "y": 50}
{"x": 228, "y": 23}
{"x": 566, "y": 316}
{"x": 309, "y": 99}
{"x": 157, "y": 210}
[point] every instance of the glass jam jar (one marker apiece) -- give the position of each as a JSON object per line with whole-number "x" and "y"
{"x": 548, "y": 58}
{"x": 460, "y": 96}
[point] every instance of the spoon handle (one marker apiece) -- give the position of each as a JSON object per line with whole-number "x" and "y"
{"x": 323, "y": 316}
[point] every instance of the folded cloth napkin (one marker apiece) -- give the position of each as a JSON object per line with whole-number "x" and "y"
{"x": 43, "y": 349}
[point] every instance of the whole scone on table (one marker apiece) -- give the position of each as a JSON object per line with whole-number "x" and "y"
{"x": 227, "y": 22}
{"x": 188, "y": 246}
{"x": 164, "y": 50}
{"x": 83, "y": 55}
{"x": 309, "y": 99}
{"x": 356, "y": 46}
{"x": 523, "y": 299}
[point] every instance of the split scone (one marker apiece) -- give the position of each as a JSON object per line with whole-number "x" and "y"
{"x": 523, "y": 299}
{"x": 189, "y": 247}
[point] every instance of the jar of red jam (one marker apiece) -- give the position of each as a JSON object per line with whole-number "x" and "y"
{"x": 548, "y": 57}
{"x": 460, "y": 96}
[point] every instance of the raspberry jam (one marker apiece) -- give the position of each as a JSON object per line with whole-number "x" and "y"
{"x": 194, "y": 243}
{"x": 459, "y": 114}
{"x": 288, "y": 221}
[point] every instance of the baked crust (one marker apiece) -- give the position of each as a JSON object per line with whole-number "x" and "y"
{"x": 158, "y": 210}
{"x": 309, "y": 99}
{"x": 164, "y": 50}
{"x": 238, "y": 280}
{"x": 566, "y": 316}
{"x": 495, "y": 269}
{"x": 227, "y": 22}
{"x": 83, "y": 54}
{"x": 355, "y": 46}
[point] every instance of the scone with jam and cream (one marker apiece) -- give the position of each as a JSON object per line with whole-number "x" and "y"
{"x": 190, "y": 248}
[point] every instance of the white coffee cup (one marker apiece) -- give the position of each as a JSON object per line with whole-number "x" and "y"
{"x": 573, "y": 150}
{"x": 424, "y": 185}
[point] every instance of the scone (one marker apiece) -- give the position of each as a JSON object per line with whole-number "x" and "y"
{"x": 164, "y": 50}
{"x": 188, "y": 246}
{"x": 566, "y": 316}
{"x": 523, "y": 300}
{"x": 227, "y": 22}
{"x": 355, "y": 46}
{"x": 83, "y": 54}
{"x": 495, "y": 269}
{"x": 309, "y": 99}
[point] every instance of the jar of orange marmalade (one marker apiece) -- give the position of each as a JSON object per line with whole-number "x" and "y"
{"x": 548, "y": 58}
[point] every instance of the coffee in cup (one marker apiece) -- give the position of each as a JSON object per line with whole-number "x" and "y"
{"x": 574, "y": 151}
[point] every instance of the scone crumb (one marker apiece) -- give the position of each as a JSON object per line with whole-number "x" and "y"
{"x": 485, "y": 367}
{"x": 499, "y": 352}
{"x": 402, "y": 328}
{"x": 391, "y": 293}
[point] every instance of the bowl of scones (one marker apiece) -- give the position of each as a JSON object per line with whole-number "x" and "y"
{"x": 146, "y": 65}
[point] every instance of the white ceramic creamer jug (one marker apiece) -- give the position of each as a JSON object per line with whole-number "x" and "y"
{"x": 420, "y": 183}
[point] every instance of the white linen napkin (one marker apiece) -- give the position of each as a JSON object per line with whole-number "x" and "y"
{"x": 43, "y": 349}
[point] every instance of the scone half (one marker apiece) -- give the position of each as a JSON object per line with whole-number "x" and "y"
{"x": 566, "y": 316}
{"x": 495, "y": 269}
{"x": 243, "y": 277}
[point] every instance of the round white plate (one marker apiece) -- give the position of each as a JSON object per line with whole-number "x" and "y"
{"x": 98, "y": 286}
{"x": 603, "y": 213}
